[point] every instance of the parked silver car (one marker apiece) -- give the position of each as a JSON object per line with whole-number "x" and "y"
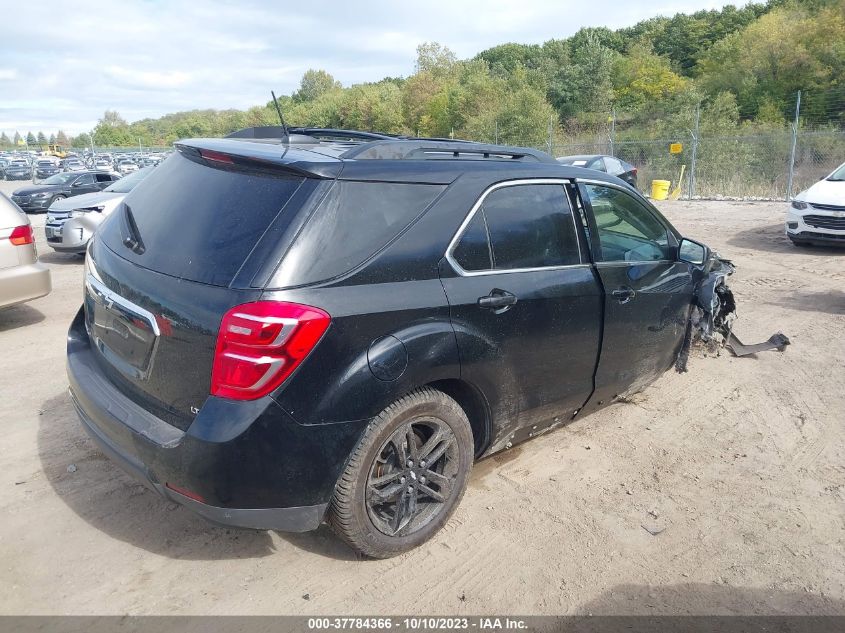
{"x": 72, "y": 221}
{"x": 22, "y": 277}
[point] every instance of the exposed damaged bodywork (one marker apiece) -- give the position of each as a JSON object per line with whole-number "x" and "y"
{"x": 713, "y": 314}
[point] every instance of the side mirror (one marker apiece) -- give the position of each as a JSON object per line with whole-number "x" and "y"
{"x": 692, "y": 252}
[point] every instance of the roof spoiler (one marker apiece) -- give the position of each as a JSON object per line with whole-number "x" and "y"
{"x": 272, "y": 133}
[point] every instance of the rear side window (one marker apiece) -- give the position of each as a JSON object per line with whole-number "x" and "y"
{"x": 353, "y": 222}
{"x": 199, "y": 222}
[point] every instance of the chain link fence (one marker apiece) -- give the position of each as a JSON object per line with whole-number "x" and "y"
{"x": 742, "y": 166}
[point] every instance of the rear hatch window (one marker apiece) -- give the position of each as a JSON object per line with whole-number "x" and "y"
{"x": 198, "y": 220}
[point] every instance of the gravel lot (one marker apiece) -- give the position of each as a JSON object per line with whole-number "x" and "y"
{"x": 740, "y": 463}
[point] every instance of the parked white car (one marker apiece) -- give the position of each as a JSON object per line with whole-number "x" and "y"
{"x": 817, "y": 215}
{"x": 126, "y": 167}
{"x": 72, "y": 221}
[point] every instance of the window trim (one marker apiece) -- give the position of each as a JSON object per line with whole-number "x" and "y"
{"x": 563, "y": 182}
{"x": 626, "y": 189}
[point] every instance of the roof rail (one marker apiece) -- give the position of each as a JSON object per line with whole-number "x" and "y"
{"x": 337, "y": 134}
{"x": 426, "y": 149}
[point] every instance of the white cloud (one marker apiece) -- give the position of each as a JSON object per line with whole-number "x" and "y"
{"x": 146, "y": 58}
{"x": 146, "y": 78}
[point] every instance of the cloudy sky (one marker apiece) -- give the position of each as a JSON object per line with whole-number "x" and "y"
{"x": 62, "y": 64}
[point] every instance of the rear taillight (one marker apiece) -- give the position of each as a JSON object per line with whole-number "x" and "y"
{"x": 22, "y": 235}
{"x": 260, "y": 344}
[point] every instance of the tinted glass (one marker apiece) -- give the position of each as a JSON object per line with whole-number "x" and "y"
{"x": 531, "y": 226}
{"x": 58, "y": 179}
{"x": 126, "y": 184}
{"x": 472, "y": 252}
{"x": 352, "y": 223}
{"x": 597, "y": 163}
{"x": 628, "y": 231}
{"x": 85, "y": 179}
{"x": 198, "y": 222}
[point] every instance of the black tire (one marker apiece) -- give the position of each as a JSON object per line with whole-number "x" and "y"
{"x": 363, "y": 520}
{"x": 800, "y": 243}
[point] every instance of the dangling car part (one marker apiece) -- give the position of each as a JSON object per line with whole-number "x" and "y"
{"x": 712, "y": 317}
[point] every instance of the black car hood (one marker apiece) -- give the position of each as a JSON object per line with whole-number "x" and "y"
{"x": 28, "y": 191}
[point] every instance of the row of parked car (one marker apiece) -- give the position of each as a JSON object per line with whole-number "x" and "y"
{"x": 26, "y": 166}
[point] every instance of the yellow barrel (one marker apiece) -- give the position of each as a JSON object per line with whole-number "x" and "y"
{"x": 660, "y": 189}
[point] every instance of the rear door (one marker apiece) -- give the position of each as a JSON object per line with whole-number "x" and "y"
{"x": 525, "y": 306}
{"x": 648, "y": 293}
{"x": 84, "y": 184}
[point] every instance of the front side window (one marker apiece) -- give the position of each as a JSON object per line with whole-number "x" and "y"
{"x": 86, "y": 179}
{"x": 627, "y": 230}
{"x": 528, "y": 226}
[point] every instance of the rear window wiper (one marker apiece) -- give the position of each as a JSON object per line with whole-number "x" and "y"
{"x": 131, "y": 236}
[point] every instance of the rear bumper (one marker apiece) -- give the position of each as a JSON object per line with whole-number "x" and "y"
{"x": 248, "y": 463}
{"x": 298, "y": 519}
{"x": 24, "y": 283}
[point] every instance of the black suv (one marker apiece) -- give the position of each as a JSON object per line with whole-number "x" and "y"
{"x": 334, "y": 326}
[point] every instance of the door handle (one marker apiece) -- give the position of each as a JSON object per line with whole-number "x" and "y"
{"x": 498, "y": 300}
{"x": 624, "y": 294}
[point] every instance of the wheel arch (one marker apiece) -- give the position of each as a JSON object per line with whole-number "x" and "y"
{"x": 474, "y": 404}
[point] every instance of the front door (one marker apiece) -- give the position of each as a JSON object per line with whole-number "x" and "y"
{"x": 648, "y": 292}
{"x": 525, "y": 306}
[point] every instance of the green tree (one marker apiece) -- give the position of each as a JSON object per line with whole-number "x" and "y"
{"x": 785, "y": 50}
{"x": 42, "y": 140}
{"x": 434, "y": 58}
{"x": 642, "y": 77}
{"x": 586, "y": 86}
{"x": 314, "y": 84}
{"x": 62, "y": 139}
{"x": 81, "y": 140}
{"x": 52, "y": 139}
{"x": 4, "y": 140}
{"x": 30, "y": 138}
{"x": 17, "y": 139}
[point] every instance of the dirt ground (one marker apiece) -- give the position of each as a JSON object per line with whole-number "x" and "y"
{"x": 740, "y": 463}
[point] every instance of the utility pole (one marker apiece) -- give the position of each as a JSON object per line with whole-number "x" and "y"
{"x": 551, "y": 117}
{"x": 691, "y": 188}
{"x": 612, "y": 132}
{"x": 794, "y": 146}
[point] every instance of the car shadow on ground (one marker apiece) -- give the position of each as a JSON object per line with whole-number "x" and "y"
{"x": 19, "y": 316}
{"x": 710, "y": 599}
{"x": 772, "y": 238}
{"x": 62, "y": 259}
{"x": 108, "y": 499}
{"x": 831, "y": 302}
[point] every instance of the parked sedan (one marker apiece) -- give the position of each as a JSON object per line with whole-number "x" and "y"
{"x": 126, "y": 167}
{"x": 608, "y": 164}
{"x": 22, "y": 278}
{"x": 817, "y": 215}
{"x": 18, "y": 169}
{"x": 72, "y": 222}
{"x": 40, "y": 197}
{"x": 73, "y": 164}
{"x": 44, "y": 168}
